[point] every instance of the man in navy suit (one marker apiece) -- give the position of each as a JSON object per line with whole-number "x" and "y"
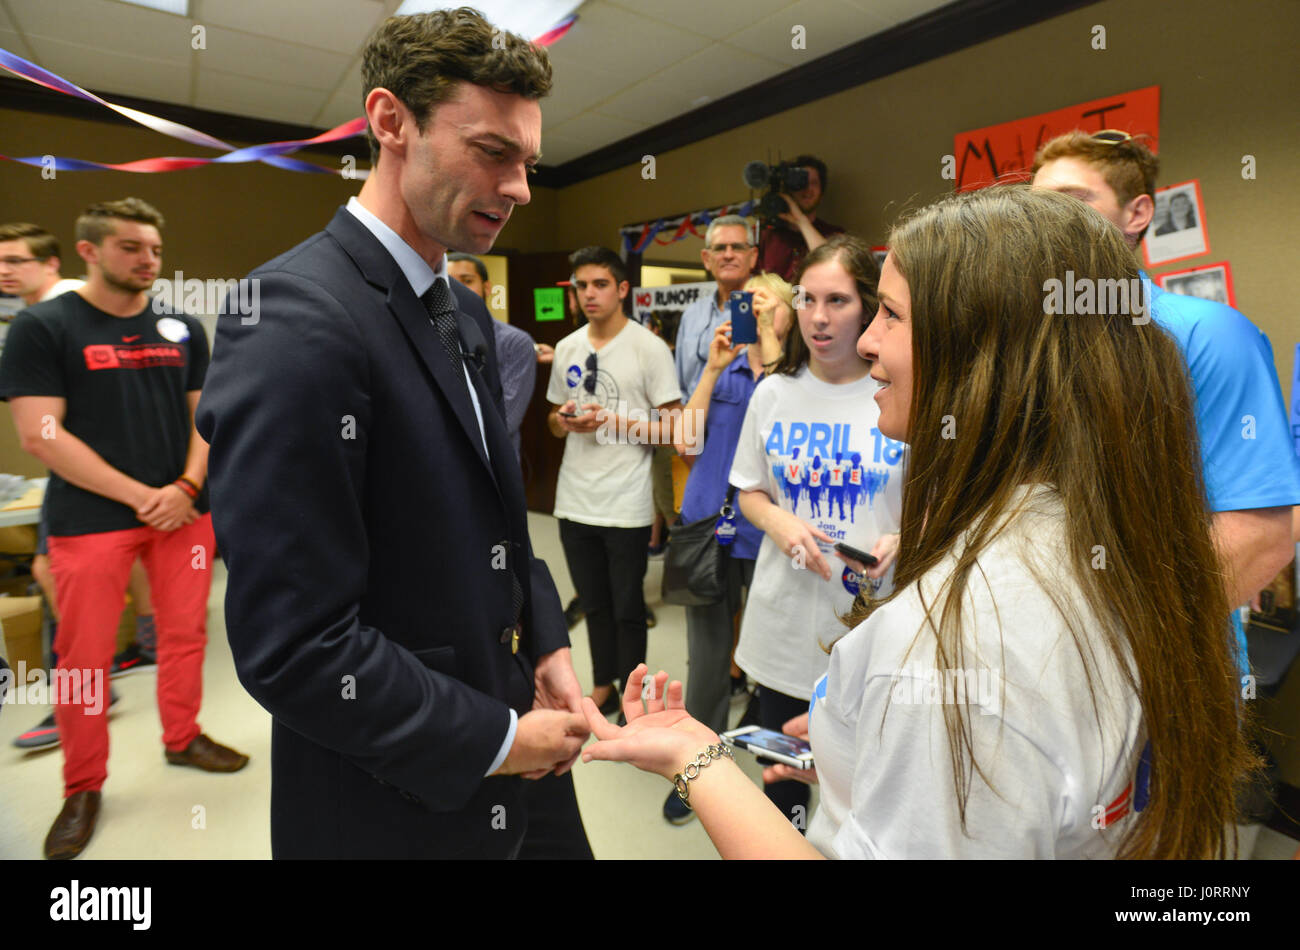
{"x": 383, "y": 601}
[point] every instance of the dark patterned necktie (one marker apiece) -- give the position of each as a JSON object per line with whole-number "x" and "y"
{"x": 437, "y": 300}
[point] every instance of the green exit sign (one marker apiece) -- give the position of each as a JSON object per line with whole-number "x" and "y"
{"x": 548, "y": 303}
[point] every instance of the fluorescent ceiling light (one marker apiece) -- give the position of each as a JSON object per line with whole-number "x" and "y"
{"x": 529, "y": 20}
{"x": 179, "y": 7}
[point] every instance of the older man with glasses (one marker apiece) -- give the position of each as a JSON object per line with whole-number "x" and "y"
{"x": 729, "y": 256}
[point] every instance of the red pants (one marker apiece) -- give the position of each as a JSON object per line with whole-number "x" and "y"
{"x": 90, "y": 576}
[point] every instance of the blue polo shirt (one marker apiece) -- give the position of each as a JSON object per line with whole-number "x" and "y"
{"x": 1246, "y": 454}
{"x": 694, "y": 334}
{"x": 706, "y": 488}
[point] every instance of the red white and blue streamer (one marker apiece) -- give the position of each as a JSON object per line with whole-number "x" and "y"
{"x": 637, "y": 237}
{"x": 272, "y": 153}
{"x": 555, "y": 32}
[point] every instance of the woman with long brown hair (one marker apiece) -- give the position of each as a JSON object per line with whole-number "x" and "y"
{"x": 1058, "y": 604}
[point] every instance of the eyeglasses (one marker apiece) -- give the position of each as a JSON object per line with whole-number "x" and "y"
{"x": 723, "y": 248}
{"x": 15, "y": 261}
{"x": 1111, "y": 137}
{"x": 589, "y": 381}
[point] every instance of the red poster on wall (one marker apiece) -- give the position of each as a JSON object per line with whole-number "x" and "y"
{"x": 1004, "y": 152}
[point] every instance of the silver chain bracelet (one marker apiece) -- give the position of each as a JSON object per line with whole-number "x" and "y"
{"x": 692, "y": 769}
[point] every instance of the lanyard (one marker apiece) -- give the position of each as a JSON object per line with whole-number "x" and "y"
{"x": 725, "y": 529}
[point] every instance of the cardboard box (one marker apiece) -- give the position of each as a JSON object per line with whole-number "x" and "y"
{"x": 21, "y": 619}
{"x": 18, "y": 539}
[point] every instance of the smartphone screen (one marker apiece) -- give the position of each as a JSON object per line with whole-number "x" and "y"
{"x": 762, "y": 739}
{"x": 744, "y": 325}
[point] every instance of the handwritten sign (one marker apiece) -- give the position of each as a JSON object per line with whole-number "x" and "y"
{"x": 1004, "y": 152}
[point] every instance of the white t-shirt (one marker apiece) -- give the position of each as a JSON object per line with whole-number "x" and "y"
{"x": 606, "y": 481}
{"x": 889, "y": 793}
{"x": 798, "y": 430}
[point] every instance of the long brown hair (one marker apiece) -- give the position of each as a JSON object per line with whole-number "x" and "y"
{"x": 1100, "y": 408}
{"x": 854, "y": 255}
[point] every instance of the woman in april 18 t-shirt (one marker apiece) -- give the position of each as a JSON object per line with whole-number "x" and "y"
{"x": 815, "y": 407}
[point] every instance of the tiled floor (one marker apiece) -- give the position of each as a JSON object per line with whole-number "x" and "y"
{"x": 153, "y": 810}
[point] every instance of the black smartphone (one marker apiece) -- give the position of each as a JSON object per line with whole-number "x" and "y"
{"x": 862, "y": 556}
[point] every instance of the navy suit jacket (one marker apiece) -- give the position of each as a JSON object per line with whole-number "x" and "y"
{"x": 369, "y": 543}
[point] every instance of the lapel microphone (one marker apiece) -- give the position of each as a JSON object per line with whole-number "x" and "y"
{"x": 473, "y": 347}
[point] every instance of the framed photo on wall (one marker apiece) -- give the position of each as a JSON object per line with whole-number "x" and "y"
{"x": 1209, "y": 281}
{"x": 1178, "y": 229}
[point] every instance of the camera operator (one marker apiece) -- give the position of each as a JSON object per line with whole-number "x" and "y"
{"x": 783, "y": 245}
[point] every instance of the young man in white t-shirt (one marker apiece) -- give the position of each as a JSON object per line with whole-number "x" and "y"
{"x": 606, "y": 379}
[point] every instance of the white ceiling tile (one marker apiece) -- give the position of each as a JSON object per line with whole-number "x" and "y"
{"x": 116, "y": 27}
{"x": 239, "y": 95}
{"x": 712, "y": 19}
{"x": 723, "y": 69}
{"x": 11, "y": 41}
{"x": 616, "y": 40}
{"x": 117, "y": 73}
{"x": 893, "y": 12}
{"x": 625, "y": 66}
{"x": 827, "y": 26}
{"x": 648, "y": 102}
{"x": 261, "y": 57}
{"x": 346, "y": 97}
{"x": 342, "y": 108}
{"x": 576, "y": 87}
{"x": 596, "y": 130}
{"x": 558, "y": 149}
{"x": 339, "y": 25}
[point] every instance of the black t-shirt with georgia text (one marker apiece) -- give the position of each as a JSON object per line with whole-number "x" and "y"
{"x": 125, "y": 381}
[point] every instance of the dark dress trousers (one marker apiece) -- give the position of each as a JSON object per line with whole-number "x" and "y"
{"x": 369, "y": 543}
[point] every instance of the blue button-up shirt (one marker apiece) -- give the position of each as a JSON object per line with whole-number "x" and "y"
{"x": 694, "y": 334}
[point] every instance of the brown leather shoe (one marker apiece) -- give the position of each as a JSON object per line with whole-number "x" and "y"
{"x": 210, "y": 756}
{"x": 71, "y": 831}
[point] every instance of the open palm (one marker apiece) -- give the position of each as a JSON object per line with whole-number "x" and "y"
{"x": 662, "y": 738}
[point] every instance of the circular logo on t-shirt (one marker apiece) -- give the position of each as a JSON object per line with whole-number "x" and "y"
{"x": 851, "y": 580}
{"x": 573, "y": 375}
{"x": 173, "y": 330}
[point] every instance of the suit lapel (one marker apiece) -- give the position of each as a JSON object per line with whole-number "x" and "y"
{"x": 418, "y": 328}
{"x": 382, "y": 271}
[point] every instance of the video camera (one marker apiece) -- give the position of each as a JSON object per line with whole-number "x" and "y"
{"x": 782, "y": 177}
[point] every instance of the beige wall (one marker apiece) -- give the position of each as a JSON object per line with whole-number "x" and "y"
{"x": 1228, "y": 83}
